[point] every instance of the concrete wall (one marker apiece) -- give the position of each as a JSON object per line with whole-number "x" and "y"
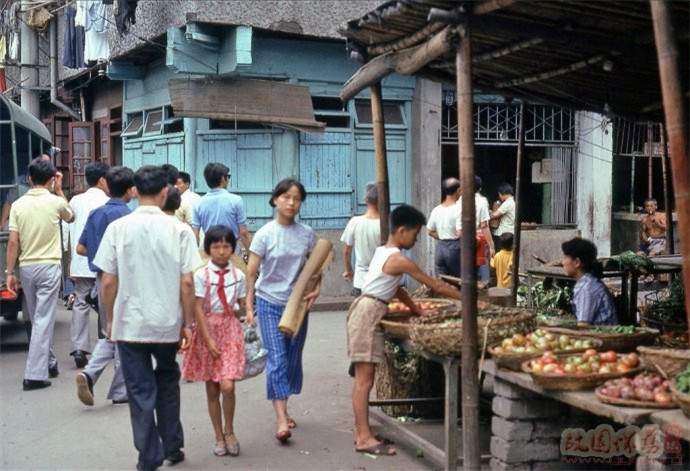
{"x": 594, "y": 179}
{"x": 426, "y": 161}
{"x": 544, "y": 243}
{"x": 333, "y": 284}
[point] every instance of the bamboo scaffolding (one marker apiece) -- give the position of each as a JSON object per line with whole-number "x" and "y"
{"x": 470, "y": 368}
{"x": 676, "y": 127}
{"x": 517, "y": 231}
{"x": 381, "y": 160}
{"x": 670, "y": 243}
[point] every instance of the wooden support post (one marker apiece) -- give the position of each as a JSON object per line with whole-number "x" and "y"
{"x": 650, "y": 162}
{"x": 450, "y": 419}
{"x": 670, "y": 245}
{"x": 517, "y": 231}
{"x": 632, "y": 184}
{"x": 470, "y": 374}
{"x": 381, "y": 160}
{"x": 676, "y": 127}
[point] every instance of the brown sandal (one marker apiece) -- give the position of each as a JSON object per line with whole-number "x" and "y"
{"x": 380, "y": 449}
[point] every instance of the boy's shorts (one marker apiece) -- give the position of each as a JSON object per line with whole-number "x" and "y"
{"x": 364, "y": 333}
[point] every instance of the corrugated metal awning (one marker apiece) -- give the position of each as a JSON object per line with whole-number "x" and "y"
{"x": 260, "y": 101}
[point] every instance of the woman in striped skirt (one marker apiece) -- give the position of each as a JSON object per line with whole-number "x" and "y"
{"x": 278, "y": 251}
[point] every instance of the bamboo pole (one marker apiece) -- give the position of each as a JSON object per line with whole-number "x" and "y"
{"x": 650, "y": 162}
{"x": 518, "y": 205}
{"x": 676, "y": 126}
{"x": 470, "y": 380}
{"x": 670, "y": 245}
{"x": 381, "y": 161}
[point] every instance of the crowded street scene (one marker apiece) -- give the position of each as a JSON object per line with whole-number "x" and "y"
{"x": 345, "y": 234}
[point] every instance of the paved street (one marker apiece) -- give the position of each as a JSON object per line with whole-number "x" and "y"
{"x": 51, "y": 429}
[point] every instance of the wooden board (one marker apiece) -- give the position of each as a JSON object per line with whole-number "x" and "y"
{"x": 673, "y": 421}
{"x": 262, "y": 101}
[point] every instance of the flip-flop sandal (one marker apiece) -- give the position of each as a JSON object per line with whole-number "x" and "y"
{"x": 233, "y": 446}
{"x": 219, "y": 449}
{"x": 291, "y": 423}
{"x": 380, "y": 449}
{"x": 383, "y": 440}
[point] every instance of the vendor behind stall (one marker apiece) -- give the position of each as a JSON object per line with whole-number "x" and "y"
{"x": 592, "y": 302}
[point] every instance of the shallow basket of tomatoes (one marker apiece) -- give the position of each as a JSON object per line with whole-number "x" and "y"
{"x": 563, "y": 378}
{"x": 612, "y": 340}
{"x": 513, "y": 360}
{"x": 646, "y": 390}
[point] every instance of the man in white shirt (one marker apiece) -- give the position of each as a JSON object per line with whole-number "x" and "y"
{"x": 82, "y": 276}
{"x": 189, "y": 199}
{"x": 147, "y": 286}
{"x": 363, "y": 233}
{"x": 441, "y": 226}
{"x": 505, "y": 213}
{"x": 484, "y": 239}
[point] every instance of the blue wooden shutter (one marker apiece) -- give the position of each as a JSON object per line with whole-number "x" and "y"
{"x": 325, "y": 169}
{"x": 397, "y": 167}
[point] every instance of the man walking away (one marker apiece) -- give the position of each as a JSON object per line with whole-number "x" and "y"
{"x": 364, "y": 234}
{"x": 485, "y": 244}
{"x": 121, "y": 185}
{"x": 220, "y": 207}
{"x": 189, "y": 198}
{"x": 82, "y": 276}
{"x": 441, "y": 226}
{"x": 147, "y": 262}
{"x": 35, "y": 238}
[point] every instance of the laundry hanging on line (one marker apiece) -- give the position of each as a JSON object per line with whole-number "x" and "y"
{"x": 73, "y": 56}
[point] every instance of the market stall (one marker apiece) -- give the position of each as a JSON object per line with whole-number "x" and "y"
{"x": 561, "y": 63}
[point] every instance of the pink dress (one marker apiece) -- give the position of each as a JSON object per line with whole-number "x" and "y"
{"x": 226, "y": 330}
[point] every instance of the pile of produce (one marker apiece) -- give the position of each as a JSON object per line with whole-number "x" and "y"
{"x": 615, "y": 329}
{"x": 551, "y": 303}
{"x": 590, "y": 362}
{"x": 645, "y": 387}
{"x": 539, "y": 341}
{"x": 630, "y": 261}
{"x": 399, "y": 306}
{"x": 683, "y": 381}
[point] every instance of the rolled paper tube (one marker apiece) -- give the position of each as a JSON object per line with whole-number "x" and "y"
{"x": 307, "y": 281}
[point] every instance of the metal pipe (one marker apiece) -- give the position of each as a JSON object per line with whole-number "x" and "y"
{"x": 470, "y": 380}
{"x": 518, "y": 205}
{"x": 676, "y": 127}
{"x": 379, "y": 129}
{"x": 632, "y": 184}
{"x": 54, "y": 72}
{"x": 670, "y": 245}
{"x": 29, "y": 60}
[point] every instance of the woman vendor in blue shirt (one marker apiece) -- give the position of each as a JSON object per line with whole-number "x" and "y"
{"x": 592, "y": 301}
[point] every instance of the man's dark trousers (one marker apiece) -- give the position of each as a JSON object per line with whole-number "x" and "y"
{"x": 153, "y": 391}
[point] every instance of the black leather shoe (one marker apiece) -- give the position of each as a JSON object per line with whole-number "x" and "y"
{"x": 120, "y": 401}
{"x": 174, "y": 458}
{"x": 31, "y": 384}
{"x": 53, "y": 371}
{"x": 80, "y": 358}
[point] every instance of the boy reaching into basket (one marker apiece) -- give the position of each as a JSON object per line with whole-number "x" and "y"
{"x": 364, "y": 334}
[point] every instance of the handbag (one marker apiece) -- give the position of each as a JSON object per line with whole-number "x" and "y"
{"x": 255, "y": 355}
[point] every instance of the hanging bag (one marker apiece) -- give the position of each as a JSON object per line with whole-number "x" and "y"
{"x": 255, "y": 355}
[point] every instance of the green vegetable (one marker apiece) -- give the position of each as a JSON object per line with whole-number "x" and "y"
{"x": 615, "y": 329}
{"x": 683, "y": 381}
{"x": 669, "y": 305}
{"x": 630, "y": 261}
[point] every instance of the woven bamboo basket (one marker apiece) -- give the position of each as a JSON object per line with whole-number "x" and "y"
{"x": 682, "y": 399}
{"x": 442, "y": 303}
{"x": 573, "y": 382}
{"x": 442, "y": 334}
{"x": 667, "y": 361}
{"x": 397, "y": 326}
{"x": 632, "y": 403}
{"x": 514, "y": 361}
{"x": 611, "y": 341}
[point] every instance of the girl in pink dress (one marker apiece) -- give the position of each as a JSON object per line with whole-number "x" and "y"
{"x": 216, "y": 353}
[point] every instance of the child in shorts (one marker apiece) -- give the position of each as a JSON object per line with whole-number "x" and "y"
{"x": 364, "y": 334}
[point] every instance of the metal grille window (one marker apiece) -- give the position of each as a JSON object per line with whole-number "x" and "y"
{"x": 497, "y": 124}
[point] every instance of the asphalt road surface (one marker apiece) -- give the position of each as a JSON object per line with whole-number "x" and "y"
{"x": 51, "y": 429}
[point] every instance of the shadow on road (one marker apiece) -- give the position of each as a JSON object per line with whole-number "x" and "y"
{"x": 13, "y": 336}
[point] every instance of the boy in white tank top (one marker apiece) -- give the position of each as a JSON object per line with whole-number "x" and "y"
{"x": 364, "y": 334}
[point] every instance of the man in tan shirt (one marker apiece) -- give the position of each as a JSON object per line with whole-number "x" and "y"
{"x": 35, "y": 240}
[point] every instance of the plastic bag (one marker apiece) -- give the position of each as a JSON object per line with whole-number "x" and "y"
{"x": 254, "y": 353}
